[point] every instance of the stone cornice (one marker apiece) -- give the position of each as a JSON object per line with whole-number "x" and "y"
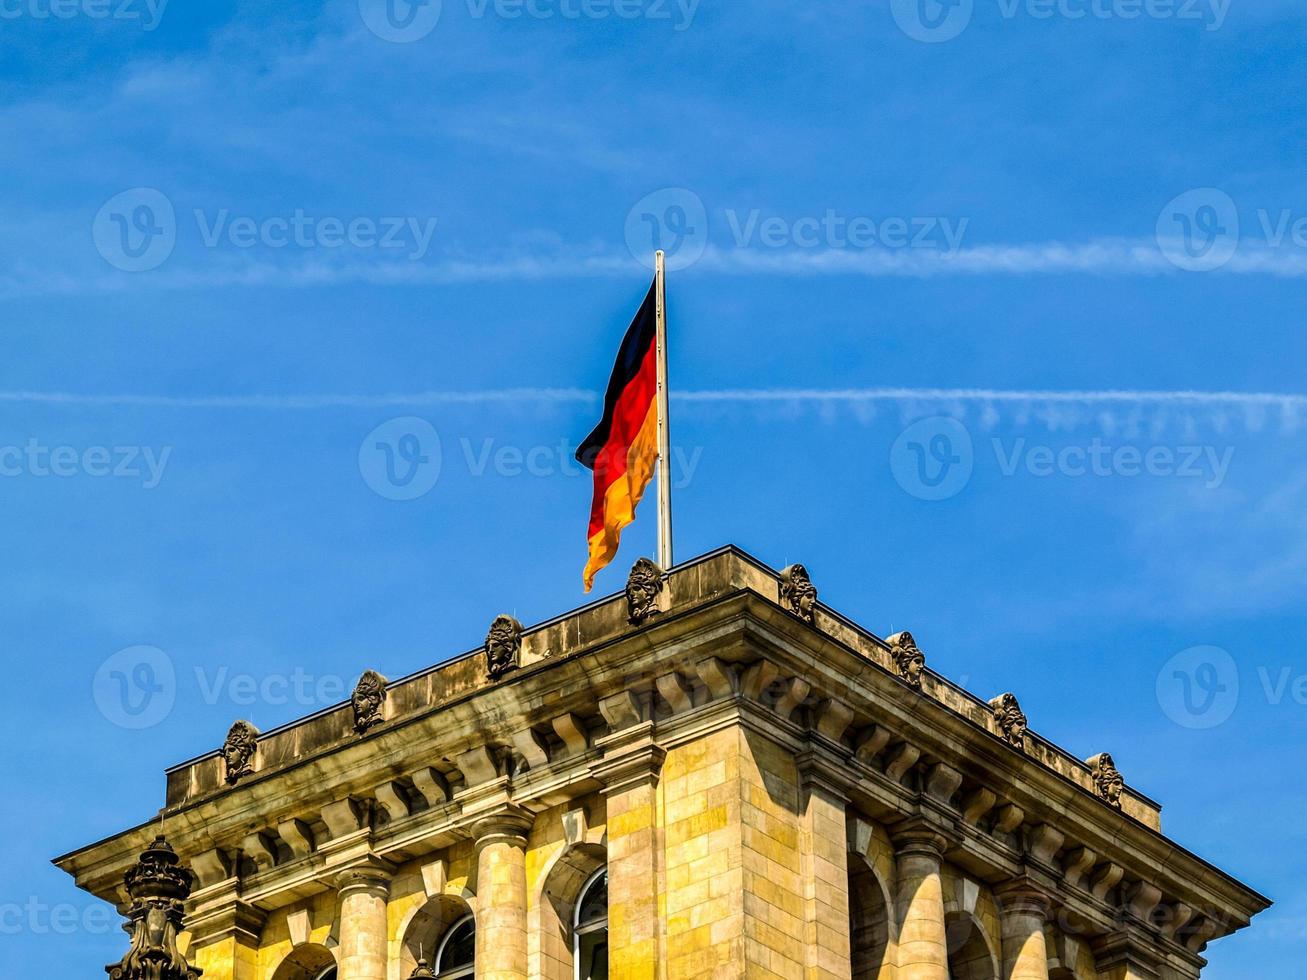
{"x": 724, "y": 653}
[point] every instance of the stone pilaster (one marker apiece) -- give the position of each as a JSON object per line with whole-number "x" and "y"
{"x": 1024, "y": 911}
{"x": 363, "y": 891}
{"x": 501, "y": 893}
{"x": 225, "y": 931}
{"x": 824, "y": 843}
{"x": 225, "y": 938}
{"x": 1126, "y": 955}
{"x": 919, "y": 905}
{"x": 629, "y": 771}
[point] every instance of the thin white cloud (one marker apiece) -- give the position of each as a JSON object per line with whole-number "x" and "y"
{"x": 1142, "y": 258}
{"x": 1118, "y": 396}
{"x": 300, "y": 402}
{"x": 1108, "y": 257}
{"x": 817, "y": 396}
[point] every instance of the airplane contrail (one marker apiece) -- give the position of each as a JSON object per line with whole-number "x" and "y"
{"x": 821, "y": 396}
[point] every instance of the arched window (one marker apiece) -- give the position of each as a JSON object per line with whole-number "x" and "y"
{"x": 590, "y": 929}
{"x": 456, "y": 956}
{"x": 307, "y": 962}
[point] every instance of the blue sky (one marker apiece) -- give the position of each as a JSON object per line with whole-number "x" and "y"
{"x": 990, "y": 314}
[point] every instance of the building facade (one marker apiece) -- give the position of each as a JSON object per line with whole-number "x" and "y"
{"x": 714, "y": 775}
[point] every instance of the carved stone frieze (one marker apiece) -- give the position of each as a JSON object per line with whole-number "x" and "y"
{"x": 503, "y": 647}
{"x": 368, "y": 700}
{"x": 1010, "y": 719}
{"x": 238, "y": 750}
{"x": 643, "y": 587}
{"x": 798, "y": 594}
{"x": 909, "y": 661}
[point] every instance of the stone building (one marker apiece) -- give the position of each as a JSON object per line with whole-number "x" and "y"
{"x": 714, "y": 775}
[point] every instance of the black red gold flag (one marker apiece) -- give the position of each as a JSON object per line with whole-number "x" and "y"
{"x": 623, "y": 448}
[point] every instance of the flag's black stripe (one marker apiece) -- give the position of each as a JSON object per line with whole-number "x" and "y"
{"x": 635, "y": 345}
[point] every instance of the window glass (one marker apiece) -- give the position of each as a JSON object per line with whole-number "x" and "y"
{"x": 457, "y": 950}
{"x": 591, "y": 930}
{"x": 594, "y": 903}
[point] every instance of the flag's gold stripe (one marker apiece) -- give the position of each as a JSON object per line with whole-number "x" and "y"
{"x": 622, "y": 497}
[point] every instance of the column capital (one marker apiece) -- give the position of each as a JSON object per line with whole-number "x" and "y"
{"x": 1024, "y": 895}
{"x": 919, "y": 835}
{"x": 371, "y": 874}
{"x": 508, "y": 824}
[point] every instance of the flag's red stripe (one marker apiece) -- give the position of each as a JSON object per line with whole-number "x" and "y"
{"x": 629, "y": 412}
{"x": 640, "y": 337}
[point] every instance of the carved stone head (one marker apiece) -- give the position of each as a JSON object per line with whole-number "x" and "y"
{"x": 503, "y": 646}
{"x": 798, "y": 594}
{"x": 238, "y": 751}
{"x": 1108, "y": 783}
{"x": 643, "y": 586}
{"x": 1011, "y": 720}
{"x": 368, "y": 697}
{"x": 909, "y": 660}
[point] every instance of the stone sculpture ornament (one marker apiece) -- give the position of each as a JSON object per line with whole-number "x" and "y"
{"x": 908, "y": 659}
{"x": 798, "y": 594}
{"x": 1108, "y": 783}
{"x": 368, "y": 698}
{"x": 643, "y": 586}
{"x": 159, "y": 886}
{"x": 238, "y": 751}
{"x": 422, "y": 971}
{"x": 503, "y": 647}
{"x": 1011, "y": 720}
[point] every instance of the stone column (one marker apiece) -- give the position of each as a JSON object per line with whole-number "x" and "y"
{"x": 363, "y": 891}
{"x": 1025, "y": 953}
{"x": 919, "y": 906}
{"x": 501, "y": 893}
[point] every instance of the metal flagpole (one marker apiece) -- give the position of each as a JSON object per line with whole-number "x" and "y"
{"x": 664, "y": 436}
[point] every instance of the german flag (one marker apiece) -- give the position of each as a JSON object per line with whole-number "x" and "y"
{"x": 623, "y": 448}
